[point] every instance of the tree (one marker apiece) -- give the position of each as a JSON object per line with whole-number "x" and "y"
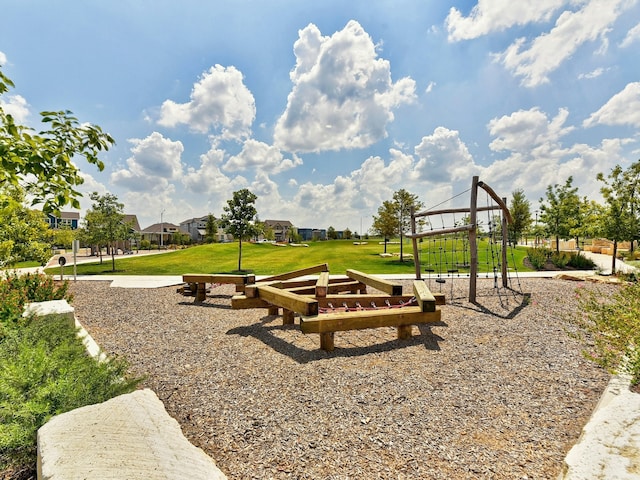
{"x": 104, "y": 223}
{"x": 24, "y": 233}
{"x": 404, "y": 202}
{"x": 64, "y": 236}
{"x": 347, "y": 234}
{"x": 331, "y": 233}
{"x": 238, "y": 219}
{"x": 561, "y": 211}
{"x": 42, "y": 163}
{"x": 620, "y": 221}
{"x": 385, "y": 223}
{"x": 521, "y": 215}
{"x": 211, "y": 229}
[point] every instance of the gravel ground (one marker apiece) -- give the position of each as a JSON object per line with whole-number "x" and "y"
{"x": 496, "y": 390}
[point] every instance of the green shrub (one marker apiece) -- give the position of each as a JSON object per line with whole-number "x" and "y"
{"x": 17, "y": 290}
{"x": 538, "y": 257}
{"x": 47, "y": 371}
{"x": 560, "y": 259}
{"x": 610, "y": 327}
{"x": 580, "y": 262}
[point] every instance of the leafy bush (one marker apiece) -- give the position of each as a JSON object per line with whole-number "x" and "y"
{"x": 611, "y": 329}
{"x": 581, "y": 262}
{"x": 17, "y": 290}
{"x": 538, "y": 257}
{"x": 560, "y": 259}
{"x": 46, "y": 371}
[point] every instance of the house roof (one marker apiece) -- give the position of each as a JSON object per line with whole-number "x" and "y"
{"x": 164, "y": 227}
{"x": 282, "y": 223}
{"x": 133, "y": 220}
{"x": 67, "y": 215}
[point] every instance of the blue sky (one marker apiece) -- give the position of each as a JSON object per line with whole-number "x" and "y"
{"x": 324, "y": 109}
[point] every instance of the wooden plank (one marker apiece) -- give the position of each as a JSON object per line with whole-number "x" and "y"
{"x": 426, "y": 300}
{"x": 352, "y": 286}
{"x": 393, "y": 317}
{"x": 289, "y": 284}
{"x": 322, "y": 284}
{"x": 288, "y": 300}
{"x": 218, "y": 278}
{"x": 242, "y": 302}
{"x": 252, "y": 290}
{"x": 324, "y": 267}
{"x": 376, "y": 282}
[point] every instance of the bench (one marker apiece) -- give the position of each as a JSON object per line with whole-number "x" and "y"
{"x": 197, "y": 283}
{"x": 403, "y": 318}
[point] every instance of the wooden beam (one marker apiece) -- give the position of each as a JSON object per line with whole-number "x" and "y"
{"x": 426, "y": 301}
{"x": 288, "y": 300}
{"x": 324, "y": 267}
{"x": 363, "y": 299}
{"x": 218, "y": 278}
{"x": 376, "y": 282}
{"x": 242, "y": 302}
{"x": 393, "y": 317}
{"x": 322, "y": 284}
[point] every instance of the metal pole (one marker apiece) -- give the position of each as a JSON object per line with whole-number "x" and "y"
{"x": 473, "y": 246}
{"x": 505, "y": 233}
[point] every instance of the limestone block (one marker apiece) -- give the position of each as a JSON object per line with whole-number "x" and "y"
{"x": 50, "y": 308}
{"x": 131, "y": 436}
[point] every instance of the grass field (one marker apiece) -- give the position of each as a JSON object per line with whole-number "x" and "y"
{"x": 268, "y": 259}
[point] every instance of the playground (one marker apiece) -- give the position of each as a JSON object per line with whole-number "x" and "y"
{"x": 491, "y": 390}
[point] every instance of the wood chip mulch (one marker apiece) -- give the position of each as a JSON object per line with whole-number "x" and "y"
{"x": 497, "y": 389}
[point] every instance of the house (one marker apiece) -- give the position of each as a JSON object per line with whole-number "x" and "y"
{"x": 281, "y": 229}
{"x": 65, "y": 220}
{"x": 197, "y": 230}
{"x": 160, "y": 233}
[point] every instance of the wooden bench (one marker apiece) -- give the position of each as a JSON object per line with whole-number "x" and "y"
{"x": 197, "y": 283}
{"x": 402, "y": 318}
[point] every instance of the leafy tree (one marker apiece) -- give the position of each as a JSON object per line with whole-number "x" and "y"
{"x": 561, "y": 211}
{"x": 331, "y": 233}
{"x": 385, "y": 223}
{"x": 620, "y": 221}
{"x": 211, "y": 228}
{"x": 104, "y": 223}
{"x": 521, "y": 215}
{"x": 24, "y": 233}
{"x": 42, "y": 162}
{"x": 64, "y": 236}
{"x": 238, "y": 219}
{"x": 347, "y": 233}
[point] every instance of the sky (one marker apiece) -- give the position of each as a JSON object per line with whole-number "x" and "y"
{"x": 324, "y": 109}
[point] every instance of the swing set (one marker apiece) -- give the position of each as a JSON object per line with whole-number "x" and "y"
{"x": 447, "y": 260}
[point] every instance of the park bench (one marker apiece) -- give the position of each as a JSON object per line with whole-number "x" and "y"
{"x": 196, "y": 283}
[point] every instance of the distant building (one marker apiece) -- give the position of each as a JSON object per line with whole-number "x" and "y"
{"x": 312, "y": 234}
{"x": 197, "y": 230}
{"x": 281, "y": 229}
{"x": 160, "y": 233}
{"x": 65, "y": 220}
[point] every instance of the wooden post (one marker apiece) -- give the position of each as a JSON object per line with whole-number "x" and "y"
{"x": 288, "y": 317}
{"x": 473, "y": 245}
{"x": 414, "y": 241}
{"x": 405, "y": 332}
{"x": 326, "y": 341}
{"x": 505, "y": 237}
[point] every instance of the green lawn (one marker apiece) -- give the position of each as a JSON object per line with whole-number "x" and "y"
{"x": 268, "y": 259}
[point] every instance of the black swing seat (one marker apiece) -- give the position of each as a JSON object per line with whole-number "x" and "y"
{"x": 440, "y": 280}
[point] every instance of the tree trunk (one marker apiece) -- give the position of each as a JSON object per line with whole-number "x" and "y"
{"x": 239, "y": 254}
{"x": 557, "y": 244}
{"x": 401, "y": 256}
{"x": 113, "y": 259}
{"x": 613, "y": 260}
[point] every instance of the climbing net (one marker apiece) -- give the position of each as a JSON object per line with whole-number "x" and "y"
{"x": 464, "y": 246}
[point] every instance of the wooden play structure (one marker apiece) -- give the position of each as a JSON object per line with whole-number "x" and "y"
{"x": 470, "y": 228}
{"x": 327, "y": 305}
{"x": 196, "y": 283}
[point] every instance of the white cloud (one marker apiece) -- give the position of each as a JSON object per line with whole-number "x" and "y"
{"x": 261, "y": 156}
{"x": 621, "y": 109}
{"x": 548, "y": 51}
{"x": 155, "y": 161}
{"x": 443, "y": 157}
{"x": 209, "y": 181}
{"x": 526, "y": 131}
{"x": 16, "y": 106}
{"x": 497, "y": 15}
{"x": 592, "y": 74}
{"x": 3, "y": 58}
{"x": 342, "y": 95}
{"x": 430, "y": 87}
{"x": 219, "y": 100}
{"x": 633, "y": 35}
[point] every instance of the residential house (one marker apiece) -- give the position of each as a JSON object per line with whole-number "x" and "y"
{"x": 281, "y": 229}
{"x": 161, "y": 234}
{"x": 65, "y": 220}
{"x": 197, "y": 230}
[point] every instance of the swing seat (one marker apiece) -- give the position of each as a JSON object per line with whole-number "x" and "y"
{"x": 430, "y": 270}
{"x": 455, "y": 270}
{"x": 440, "y": 280}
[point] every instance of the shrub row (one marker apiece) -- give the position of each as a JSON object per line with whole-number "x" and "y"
{"x": 45, "y": 370}
{"x": 538, "y": 257}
